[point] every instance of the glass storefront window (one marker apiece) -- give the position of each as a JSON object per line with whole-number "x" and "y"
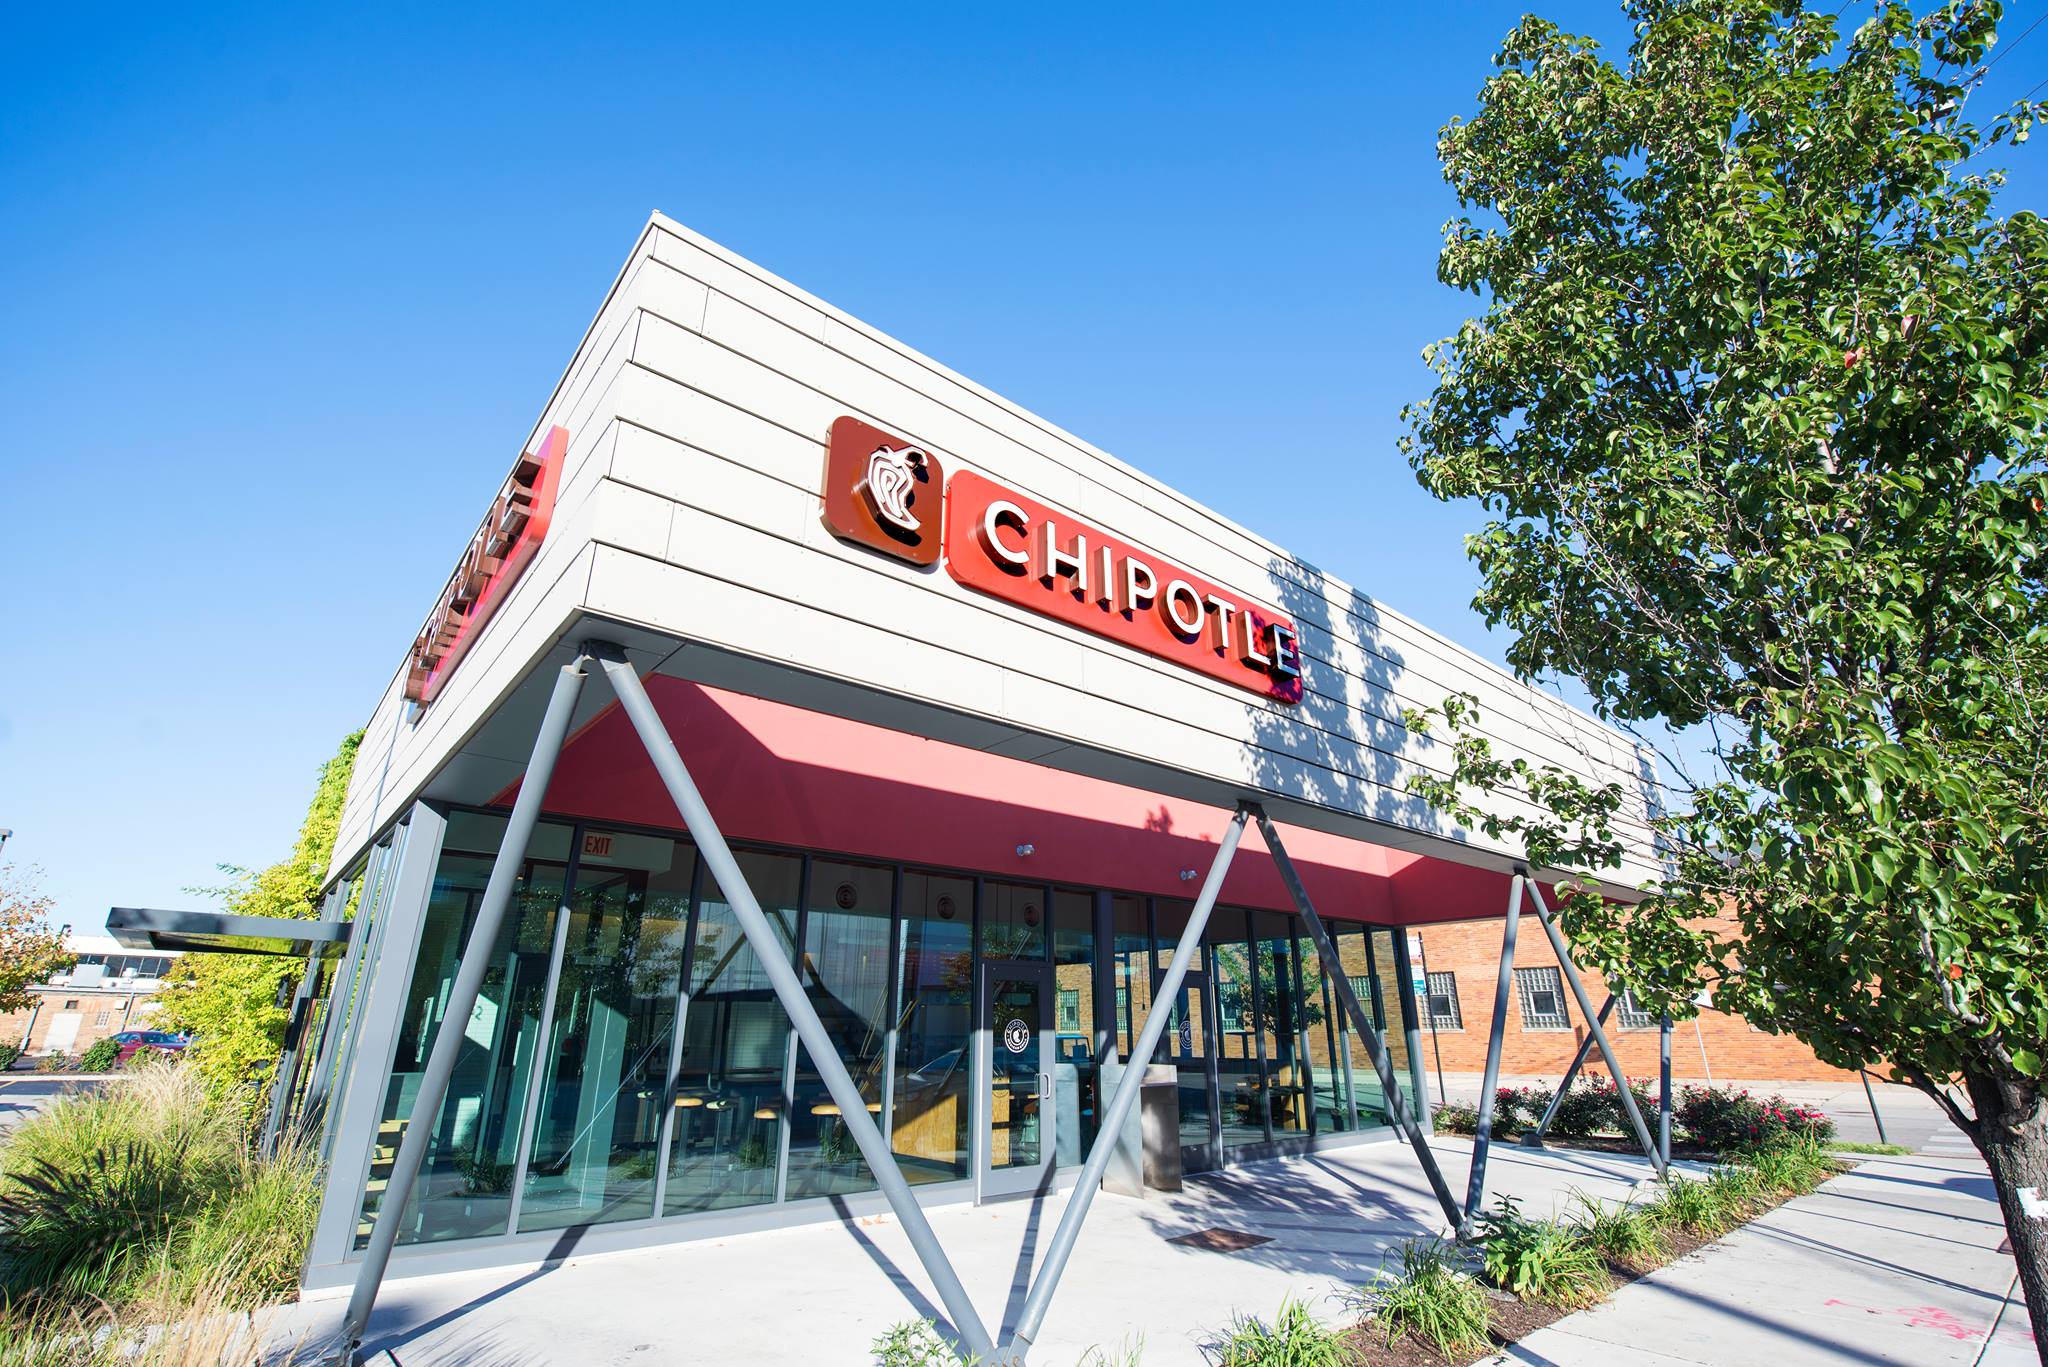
{"x": 598, "y": 1108}
{"x": 1077, "y": 1078}
{"x": 1240, "y": 1080}
{"x": 935, "y": 996}
{"x": 1395, "y": 1004}
{"x": 728, "y": 1090}
{"x": 465, "y": 1184}
{"x": 1131, "y": 969}
{"x": 845, "y": 971}
{"x": 1283, "y": 1016}
{"x": 1012, "y": 920}
{"x": 1186, "y": 1041}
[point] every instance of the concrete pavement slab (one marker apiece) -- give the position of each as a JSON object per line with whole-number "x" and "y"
{"x": 1815, "y": 1282}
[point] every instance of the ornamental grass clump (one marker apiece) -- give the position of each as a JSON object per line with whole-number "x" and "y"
{"x": 143, "y": 1193}
{"x": 1540, "y": 1260}
{"x": 1791, "y": 1167}
{"x": 1693, "y": 1207}
{"x": 1431, "y": 1298}
{"x": 1293, "y": 1338}
{"x": 1627, "y": 1233}
{"x": 209, "y": 1331}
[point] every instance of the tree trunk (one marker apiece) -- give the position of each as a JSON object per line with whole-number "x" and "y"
{"x": 2012, "y": 1132}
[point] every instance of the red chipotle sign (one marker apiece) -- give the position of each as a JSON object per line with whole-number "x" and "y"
{"x": 1004, "y": 544}
{"x": 497, "y": 555}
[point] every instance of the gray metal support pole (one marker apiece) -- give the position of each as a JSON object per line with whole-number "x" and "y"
{"x": 1534, "y": 1139}
{"x": 283, "y": 1071}
{"x": 1663, "y": 1088}
{"x": 1142, "y": 1048}
{"x": 1571, "y": 977}
{"x": 469, "y": 979}
{"x": 1482, "y": 1138}
{"x": 775, "y": 963}
{"x": 1375, "y": 1047}
{"x": 1871, "y": 1097}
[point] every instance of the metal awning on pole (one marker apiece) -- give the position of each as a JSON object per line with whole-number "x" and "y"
{"x": 221, "y": 932}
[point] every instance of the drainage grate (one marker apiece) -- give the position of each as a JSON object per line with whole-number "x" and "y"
{"x": 1221, "y": 1240}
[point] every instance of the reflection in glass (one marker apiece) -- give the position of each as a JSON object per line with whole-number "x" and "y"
{"x": 1076, "y": 1075}
{"x": 1132, "y": 970}
{"x": 935, "y": 989}
{"x": 1283, "y": 1016}
{"x": 1393, "y": 997}
{"x": 728, "y": 1105}
{"x": 1186, "y": 1041}
{"x": 1012, "y": 920}
{"x": 597, "y": 1133}
{"x": 465, "y": 1184}
{"x": 1240, "y": 1079}
{"x": 845, "y": 971}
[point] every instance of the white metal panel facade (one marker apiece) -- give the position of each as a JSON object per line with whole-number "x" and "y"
{"x": 697, "y": 409}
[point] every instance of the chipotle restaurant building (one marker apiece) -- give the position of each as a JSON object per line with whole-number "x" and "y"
{"x": 973, "y": 703}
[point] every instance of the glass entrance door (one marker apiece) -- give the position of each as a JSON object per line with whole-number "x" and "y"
{"x": 1015, "y": 1044}
{"x": 1188, "y": 1044}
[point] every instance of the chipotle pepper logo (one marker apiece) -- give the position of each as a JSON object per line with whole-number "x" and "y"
{"x": 883, "y": 492}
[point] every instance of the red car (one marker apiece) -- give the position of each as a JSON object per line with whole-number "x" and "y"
{"x": 133, "y": 1042}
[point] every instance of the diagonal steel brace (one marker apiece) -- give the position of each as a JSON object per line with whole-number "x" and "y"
{"x": 1375, "y": 1047}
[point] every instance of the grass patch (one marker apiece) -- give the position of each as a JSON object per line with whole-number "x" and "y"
{"x": 1432, "y": 1299}
{"x": 1292, "y": 1339}
{"x": 143, "y": 1195}
{"x": 1858, "y": 1146}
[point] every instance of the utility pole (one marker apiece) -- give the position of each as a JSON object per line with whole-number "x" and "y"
{"x": 4, "y": 833}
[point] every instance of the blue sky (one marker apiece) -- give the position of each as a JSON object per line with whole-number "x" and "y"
{"x": 284, "y": 288}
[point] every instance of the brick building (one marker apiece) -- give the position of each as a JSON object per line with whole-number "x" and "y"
{"x": 108, "y": 990}
{"x": 1462, "y": 961}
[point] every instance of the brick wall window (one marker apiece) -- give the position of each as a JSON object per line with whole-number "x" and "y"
{"x": 1443, "y": 1002}
{"x": 1541, "y": 991}
{"x": 1069, "y": 1010}
{"x": 1632, "y": 1016}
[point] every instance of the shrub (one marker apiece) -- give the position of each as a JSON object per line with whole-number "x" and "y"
{"x": 1519, "y": 1108}
{"x": 914, "y": 1343}
{"x": 1540, "y": 1260}
{"x": 56, "y": 1063}
{"x": 138, "y": 1191}
{"x": 1431, "y": 1299}
{"x": 103, "y": 1057}
{"x": 1588, "y": 1108}
{"x": 1455, "y": 1117}
{"x": 1293, "y": 1339}
{"x": 8, "y": 1054}
{"x": 1627, "y": 1233}
{"x": 1729, "y": 1120}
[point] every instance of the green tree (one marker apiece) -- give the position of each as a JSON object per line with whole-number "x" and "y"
{"x": 1754, "y": 411}
{"x": 229, "y": 1001}
{"x": 30, "y": 949}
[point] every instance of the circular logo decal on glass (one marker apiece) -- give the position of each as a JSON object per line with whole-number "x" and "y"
{"x": 1016, "y": 1036}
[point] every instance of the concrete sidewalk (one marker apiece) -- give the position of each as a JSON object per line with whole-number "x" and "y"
{"x": 1897, "y": 1262}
